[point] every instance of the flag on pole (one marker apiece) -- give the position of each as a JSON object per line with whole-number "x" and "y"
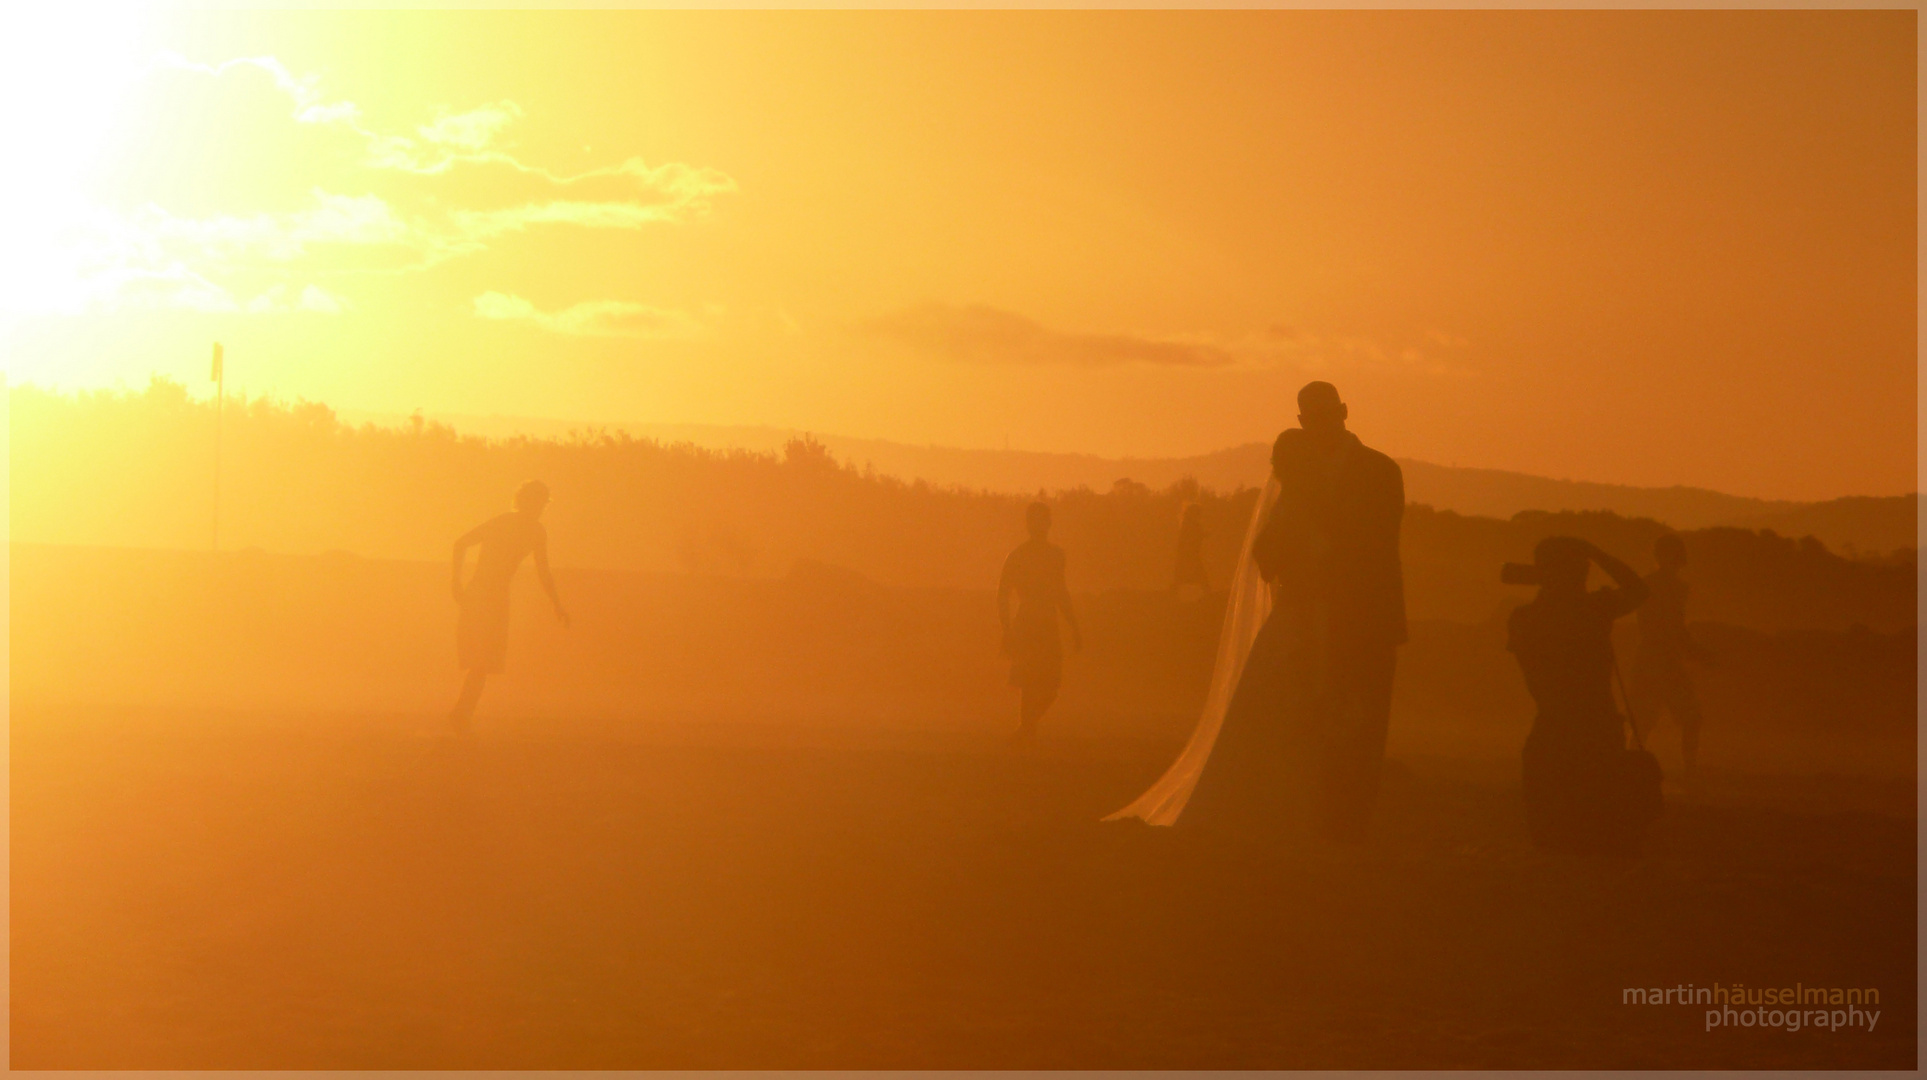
{"x": 215, "y": 376}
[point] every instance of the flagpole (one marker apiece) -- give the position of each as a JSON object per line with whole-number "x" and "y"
{"x": 220, "y": 400}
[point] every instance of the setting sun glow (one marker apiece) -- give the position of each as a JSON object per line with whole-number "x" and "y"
{"x": 1128, "y": 235}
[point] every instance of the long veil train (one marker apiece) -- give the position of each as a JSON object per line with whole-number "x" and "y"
{"x": 1245, "y": 611}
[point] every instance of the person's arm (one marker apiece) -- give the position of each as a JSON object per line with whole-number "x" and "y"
{"x": 1633, "y": 589}
{"x": 1388, "y": 509}
{"x": 1268, "y": 548}
{"x": 1694, "y": 651}
{"x": 462, "y": 543}
{"x": 1064, "y": 604}
{"x": 542, "y": 574}
{"x": 1393, "y": 509}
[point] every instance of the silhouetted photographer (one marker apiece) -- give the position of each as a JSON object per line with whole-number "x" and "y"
{"x": 1584, "y": 790}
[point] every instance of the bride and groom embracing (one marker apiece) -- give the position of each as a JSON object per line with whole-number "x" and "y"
{"x": 1294, "y": 725}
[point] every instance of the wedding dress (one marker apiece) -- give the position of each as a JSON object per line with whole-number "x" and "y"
{"x": 1248, "y": 609}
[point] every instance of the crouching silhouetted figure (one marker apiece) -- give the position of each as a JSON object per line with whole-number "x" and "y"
{"x": 1584, "y": 790}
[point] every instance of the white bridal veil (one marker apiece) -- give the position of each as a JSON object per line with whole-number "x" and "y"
{"x": 1245, "y": 611}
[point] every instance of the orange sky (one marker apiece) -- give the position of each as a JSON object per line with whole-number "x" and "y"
{"x": 1650, "y": 248}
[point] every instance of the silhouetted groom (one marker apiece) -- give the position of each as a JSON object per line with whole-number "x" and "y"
{"x": 1360, "y": 495}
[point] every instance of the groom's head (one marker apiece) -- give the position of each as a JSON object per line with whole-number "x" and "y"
{"x": 1320, "y": 412}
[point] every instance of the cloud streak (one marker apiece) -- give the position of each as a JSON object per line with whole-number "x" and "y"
{"x": 1437, "y": 353}
{"x": 455, "y": 138}
{"x": 980, "y": 334}
{"x": 283, "y": 299}
{"x": 592, "y": 318}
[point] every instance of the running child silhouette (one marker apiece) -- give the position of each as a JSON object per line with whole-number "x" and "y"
{"x": 481, "y": 634}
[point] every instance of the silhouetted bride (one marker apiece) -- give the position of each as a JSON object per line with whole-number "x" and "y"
{"x": 1270, "y": 670}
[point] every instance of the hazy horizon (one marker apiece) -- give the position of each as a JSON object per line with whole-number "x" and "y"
{"x": 769, "y": 437}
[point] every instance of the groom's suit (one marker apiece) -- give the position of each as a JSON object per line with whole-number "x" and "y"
{"x": 1358, "y": 497}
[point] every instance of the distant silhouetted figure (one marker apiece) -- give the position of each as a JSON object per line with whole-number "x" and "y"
{"x": 1188, "y": 578}
{"x": 1660, "y": 679}
{"x": 1583, "y": 790}
{"x": 1035, "y": 574}
{"x": 482, "y": 633}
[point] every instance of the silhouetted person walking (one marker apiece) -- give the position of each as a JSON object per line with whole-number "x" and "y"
{"x": 481, "y": 634}
{"x": 1035, "y": 574}
{"x": 1356, "y": 496}
{"x": 1660, "y": 679}
{"x": 1581, "y": 793}
{"x": 1188, "y": 578}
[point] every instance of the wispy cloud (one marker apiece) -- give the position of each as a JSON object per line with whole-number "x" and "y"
{"x": 310, "y": 105}
{"x": 451, "y": 139}
{"x": 473, "y": 130}
{"x": 977, "y": 333}
{"x": 366, "y": 221}
{"x": 593, "y": 318}
{"x": 283, "y": 299}
{"x": 1435, "y": 352}
{"x": 172, "y": 286}
{"x": 369, "y": 233}
{"x": 461, "y": 188}
{"x": 474, "y": 226}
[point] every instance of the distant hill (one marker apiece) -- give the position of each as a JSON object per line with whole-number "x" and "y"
{"x": 1865, "y": 525}
{"x": 1853, "y": 525}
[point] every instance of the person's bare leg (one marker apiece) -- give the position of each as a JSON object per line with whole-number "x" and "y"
{"x": 1646, "y": 698}
{"x": 464, "y": 709}
{"x": 1686, "y": 711}
{"x": 1037, "y": 701}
